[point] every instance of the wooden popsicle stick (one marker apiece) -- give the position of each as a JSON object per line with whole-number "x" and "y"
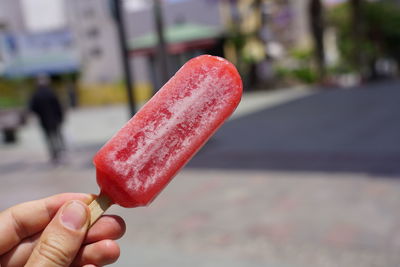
{"x": 98, "y": 207}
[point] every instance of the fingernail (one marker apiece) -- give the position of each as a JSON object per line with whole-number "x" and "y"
{"x": 74, "y": 215}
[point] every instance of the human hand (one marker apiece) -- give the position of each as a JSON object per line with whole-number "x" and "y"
{"x": 54, "y": 232}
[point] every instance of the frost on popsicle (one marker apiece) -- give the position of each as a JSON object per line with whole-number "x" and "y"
{"x": 148, "y": 151}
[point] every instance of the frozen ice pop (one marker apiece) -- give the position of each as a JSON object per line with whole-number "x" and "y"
{"x": 135, "y": 165}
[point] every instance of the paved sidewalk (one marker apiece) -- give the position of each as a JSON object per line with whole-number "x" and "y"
{"x": 245, "y": 218}
{"x": 216, "y": 218}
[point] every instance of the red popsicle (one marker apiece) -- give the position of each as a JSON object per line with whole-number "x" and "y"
{"x": 139, "y": 161}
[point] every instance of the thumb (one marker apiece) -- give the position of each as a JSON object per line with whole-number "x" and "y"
{"x": 63, "y": 237}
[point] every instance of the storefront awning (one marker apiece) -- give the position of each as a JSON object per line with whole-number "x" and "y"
{"x": 179, "y": 38}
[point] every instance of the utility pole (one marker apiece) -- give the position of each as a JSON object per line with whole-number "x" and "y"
{"x": 356, "y": 9}
{"x": 119, "y": 17}
{"x": 162, "y": 50}
{"x": 317, "y": 26}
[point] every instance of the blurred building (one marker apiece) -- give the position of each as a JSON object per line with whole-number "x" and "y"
{"x": 30, "y": 54}
{"x": 11, "y": 20}
{"x": 11, "y": 16}
{"x": 26, "y": 52}
{"x": 191, "y": 27}
{"x": 93, "y": 28}
{"x": 85, "y": 39}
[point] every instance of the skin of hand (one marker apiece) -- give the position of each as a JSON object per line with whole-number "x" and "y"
{"x": 54, "y": 232}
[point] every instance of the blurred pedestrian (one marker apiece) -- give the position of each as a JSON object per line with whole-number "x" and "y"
{"x": 45, "y": 104}
{"x": 72, "y": 94}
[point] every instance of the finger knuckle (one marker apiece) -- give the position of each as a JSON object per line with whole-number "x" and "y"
{"x": 50, "y": 249}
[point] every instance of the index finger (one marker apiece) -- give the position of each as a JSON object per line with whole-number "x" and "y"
{"x": 26, "y": 219}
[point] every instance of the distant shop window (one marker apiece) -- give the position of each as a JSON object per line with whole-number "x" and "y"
{"x": 3, "y": 26}
{"x": 93, "y": 33}
{"x": 96, "y": 52}
{"x": 44, "y": 44}
{"x": 88, "y": 13}
{"x": 68, "y": 43}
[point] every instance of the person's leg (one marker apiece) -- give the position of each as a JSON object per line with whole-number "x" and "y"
{"x": 51, "y": 144}
{"x": 60, "y": 138}
{"x": 59, "y": 146}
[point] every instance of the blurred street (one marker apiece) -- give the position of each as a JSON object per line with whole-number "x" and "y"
{"x": 298, "y": 177}
{"x": 337, "y": 131}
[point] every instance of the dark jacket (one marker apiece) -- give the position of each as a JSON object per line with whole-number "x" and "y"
{"x": 47, "y": 107}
